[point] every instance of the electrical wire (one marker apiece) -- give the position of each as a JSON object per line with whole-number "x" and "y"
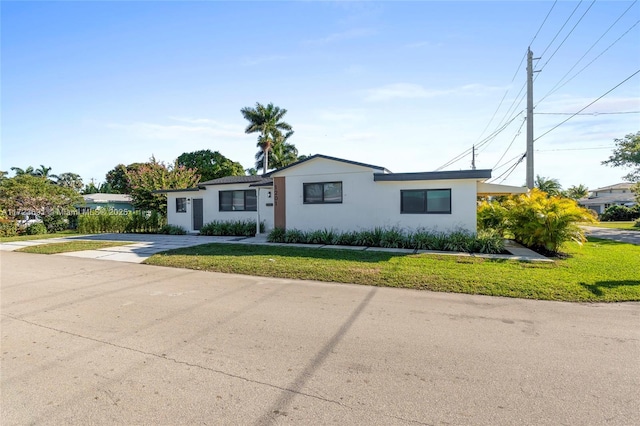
{"x": 587, "y": 113}
{"x": 561, "y": 28}
{"x": 588, "y": 50}
{"x": 588, "y": 105}
{"x": 568, "y": 34}
{"x": 552, "y": 91}
{"x": 512, "y": 141}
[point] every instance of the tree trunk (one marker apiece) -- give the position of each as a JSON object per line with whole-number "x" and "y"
{"x": 265, "y": 162}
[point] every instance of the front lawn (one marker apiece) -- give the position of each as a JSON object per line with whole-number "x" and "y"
{"x": 61, "y": 234}
{"x": 599, "y": 271}
{"x": 616, "y": 225}
{"x": 70, "y": 246}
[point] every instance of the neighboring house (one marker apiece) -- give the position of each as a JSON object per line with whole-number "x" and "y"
{"x": 600, "y": 199}
{"x": 105, "y": 201}
{"x": 325, "y": 192}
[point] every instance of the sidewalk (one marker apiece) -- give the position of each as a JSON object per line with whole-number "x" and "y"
{"x": 144, "y": 246}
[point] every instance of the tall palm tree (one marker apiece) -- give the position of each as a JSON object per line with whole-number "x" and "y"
{"x": 577, "y": 192}
{"x": 43, "y": 171}
{"x": 267, "y": 120}
{"x": 19, "y": 171}
{"x": 548, "y": 185}
{"x": 280, "y": 155}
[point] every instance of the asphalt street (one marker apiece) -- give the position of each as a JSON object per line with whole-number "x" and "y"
{"x": 86, "y": 341}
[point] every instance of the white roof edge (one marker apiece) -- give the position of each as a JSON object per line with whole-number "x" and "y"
{"x": 495, "y": 189}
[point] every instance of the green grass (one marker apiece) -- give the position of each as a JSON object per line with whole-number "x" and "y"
{"x": 40, "y": 237}
{"x": 70, "y": 246}
{"x": 616, "y": 225}
{"x": 599, "y": 271}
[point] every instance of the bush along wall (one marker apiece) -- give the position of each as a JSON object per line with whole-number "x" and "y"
{"x": 237, "y": 228}
{"x": 109, "y": 221}
{"x": 620, "y": 213}
{"x": 490, "y": 242}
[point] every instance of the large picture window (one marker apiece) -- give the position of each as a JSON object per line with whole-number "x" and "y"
{"x": 238, "y": 201}
{"x": 181, "y": 205}
{"x": 423, "y": 201}
{"x": 322, "y": 192}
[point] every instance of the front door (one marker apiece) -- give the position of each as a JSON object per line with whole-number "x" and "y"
{"x": 197, "y": 214}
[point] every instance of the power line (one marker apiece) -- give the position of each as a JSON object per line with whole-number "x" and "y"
{"x": 588, "y": 113}
{"x": 588, "y": 50}
{"x": 575, "y": 149}
{"x": 561, "y": 28}
{"x": 512, "y": 141}
{"x": 568, "y": 34}
{"x": 552, "y": 91}
{"x": 591, "y": 103}
{"x": 511, "y": 169}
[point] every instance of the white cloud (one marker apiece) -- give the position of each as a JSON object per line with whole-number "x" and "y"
{"x": 201, "y": 128}
{"x": 417, "y": 91}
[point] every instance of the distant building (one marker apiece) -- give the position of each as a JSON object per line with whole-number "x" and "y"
{"x": 105, "y": 201}
{"x": 600, "y": 199}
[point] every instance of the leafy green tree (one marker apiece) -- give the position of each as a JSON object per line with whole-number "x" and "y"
{"x": 267, "y": 121}
{"x": 33, "y": 194}
{"x": 577, "y": 192}
{"x": 117, "y": 179}
{"x": 627, "y": 154}
{"x": 70, "y": 180}
{"x": 210, "y": 165}
{"x": 154, "y": 176}
{"x": 551, "y": 186}
{"x": 3, "y": 175}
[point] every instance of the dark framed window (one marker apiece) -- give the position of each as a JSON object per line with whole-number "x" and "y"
{"x": 233, "y": 201}
{"x": 425, "y": 201}
{"x": 322, "y": 192}
{"x": 181, "y": 205}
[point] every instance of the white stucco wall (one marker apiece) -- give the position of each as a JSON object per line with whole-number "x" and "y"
{"x": 211, "y": 209}
{"x": 367, "y": 204}
{"x": 184, "y": 220}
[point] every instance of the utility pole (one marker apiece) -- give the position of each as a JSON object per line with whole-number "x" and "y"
{"x": 530, "y": 72}
{"x": 473, "y": 158}
{"x": 529, "y": 119}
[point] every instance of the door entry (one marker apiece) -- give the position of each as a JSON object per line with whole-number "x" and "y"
{"x": 197, "y": 214}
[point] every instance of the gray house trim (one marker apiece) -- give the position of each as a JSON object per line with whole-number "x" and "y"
{"x": 165, "y": 191}
{"x": 459, "y": 174}
{"x": 228, "y": 180}
{"x": 326, "y": 157}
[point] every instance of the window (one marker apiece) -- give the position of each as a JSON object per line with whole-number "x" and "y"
{"x": 425, "y": 201}
{"x": 238, "y": 201}
{"x": 322, "y": 192}
{"x": 181, "y": 205}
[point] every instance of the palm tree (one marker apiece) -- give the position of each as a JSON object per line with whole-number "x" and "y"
{"x": 550, "y": 186}
{"x": 43, "y": 171}
{"x": 281, "y": 154}
{"x": 577, "y": 192}
{"x": 20, "y": 172}
{"x": 267, "y": 120}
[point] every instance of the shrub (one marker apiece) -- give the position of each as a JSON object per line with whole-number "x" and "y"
{"x": 276, "y": 235}
{"x": 637, "y": 224}
{"x": 8, "y": 228}
{"x": 172, "y": 230}
{"x": 393, "y": 238}
{"x": 545, "y": 223}
{"x": 620, "y": 213}
{"x": 325, "y": 236}
{"x": 346, "y": 239}
{"x": 36, "y": 229}
{"x": 488, "y": 241}
{"x": 55, "y": 223}
{"x": 295, "y": 236}
{"x": 492, "y": 215}
{"x": 238, "y": 228}
{"x": 459, "y": 241}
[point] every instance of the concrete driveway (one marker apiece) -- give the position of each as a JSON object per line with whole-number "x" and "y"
{"x": 632, "y": 237}
{"x": 92, "y": 342}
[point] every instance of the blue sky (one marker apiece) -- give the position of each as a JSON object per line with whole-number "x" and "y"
{"x": 404, "y": 85}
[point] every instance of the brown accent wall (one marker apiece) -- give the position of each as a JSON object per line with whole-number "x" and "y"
{"x": 279, "y": 203}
